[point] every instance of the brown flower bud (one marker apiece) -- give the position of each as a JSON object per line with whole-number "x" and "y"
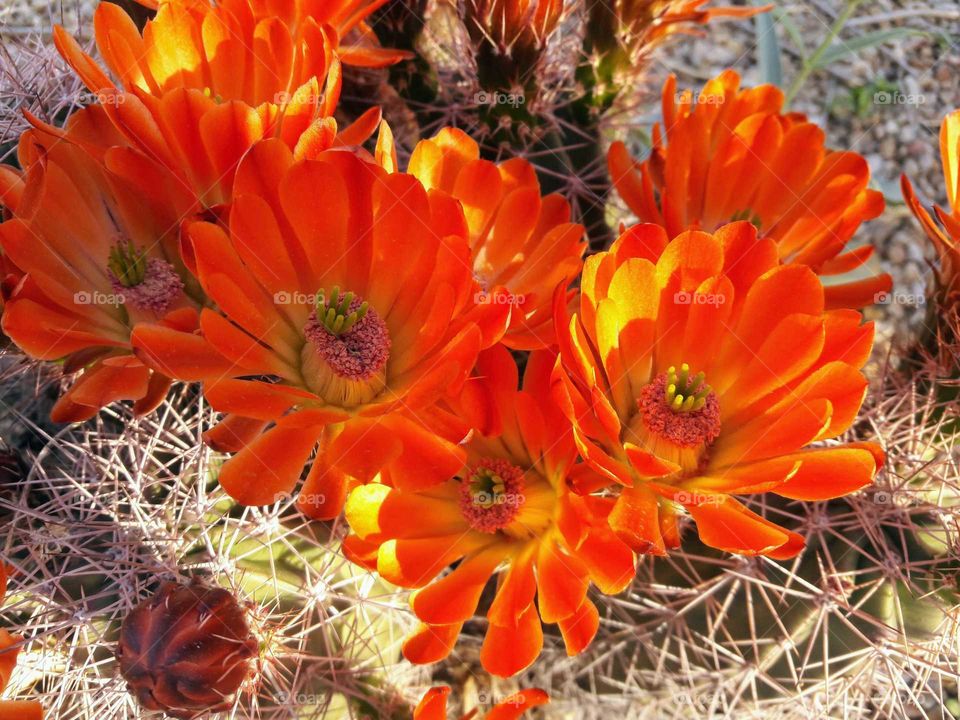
{"x": 186, "y": 650}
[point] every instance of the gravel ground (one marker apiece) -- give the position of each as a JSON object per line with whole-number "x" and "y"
{"x": 21, "y": 17}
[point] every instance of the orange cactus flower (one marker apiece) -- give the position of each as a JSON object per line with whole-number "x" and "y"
{"x": 192, "y": 129}
{"x": 350, "y": 289}
{"x": 248, "y": 50}
{"x": 701, "y": 368}
{"x": 734, "y": 155}
{"x": 523, "y": 244}
{"x": 506, "y": 505}
{"x": 945, "y": 234}
{"x": 98, "y": 258}
{"x": 9, "y": 649}
{"x": 433, "y": 706}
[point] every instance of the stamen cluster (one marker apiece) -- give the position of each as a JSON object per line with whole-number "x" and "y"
{"x": 338, "y": 314}
{"x": 684, "y": 393}
{"x": 127, "y": 265}
{"x": 491, "y": 496}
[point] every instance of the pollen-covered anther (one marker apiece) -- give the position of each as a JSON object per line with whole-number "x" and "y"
{"x": 143, "y": 283}
{"x": 349, "y": 335}
{"x": 680, "y": 409}
{"x": 491, "y": 496}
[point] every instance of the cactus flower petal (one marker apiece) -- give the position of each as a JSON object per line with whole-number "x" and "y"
{"x": 741, "y": 367}
{"x": 733, "y": 154}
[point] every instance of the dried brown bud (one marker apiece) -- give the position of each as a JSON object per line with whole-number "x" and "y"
{"x": 186, "y": 650}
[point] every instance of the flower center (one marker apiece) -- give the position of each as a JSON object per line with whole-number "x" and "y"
{"x": 491, "y": 497}
{"x": 679, "y": 416}
{"x": 353, "y": 343}
{"x": 339, "y": 313}
{"x": 144, "y": 283}
{"x": 680, "y": 409}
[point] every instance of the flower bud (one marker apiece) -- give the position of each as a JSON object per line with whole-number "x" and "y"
{"x": 186, "y": 650}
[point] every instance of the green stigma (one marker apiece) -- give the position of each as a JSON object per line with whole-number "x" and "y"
{"x": 486, "y": 486}
{"x": 334, "y": 313}
{"x": 127, "y": 264}
{"x": 684, "y": 393}
{"x": 747, "y": 214}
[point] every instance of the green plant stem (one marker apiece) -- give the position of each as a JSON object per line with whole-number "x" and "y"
{"x": 810, "y": 63}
